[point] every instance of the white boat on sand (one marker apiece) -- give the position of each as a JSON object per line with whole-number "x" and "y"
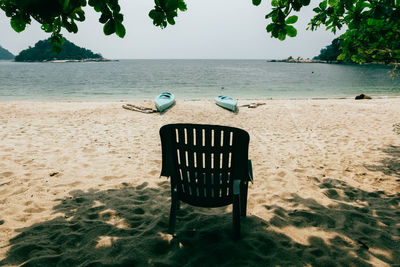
{"x": 227, "y": 103}
{"x": 164, "y": 101}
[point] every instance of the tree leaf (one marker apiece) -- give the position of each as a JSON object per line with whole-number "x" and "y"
{"x": 291, "y": 31}
{"x": 119, "y": 17}
{"x": 322, "y": 5}
{"x": 18, "y": 23}
{"x": 171, "y": 5}
{"x": 65, "y": 5}
{"x": 270, "y": 27}
{"x": 78, "y": 15}
{"x": 291, "y": 19}
{"x": 297, "y": 5}
{"x": 152, "y": 14}
{"x": 281, "y": 16}
{"x": 274, "y": 3}
{"x": 109, "y": 27}
{"x": 70, "y": 26}
{"x": 120, "y": 29}
{"x": 182, "y": 5}
{"x": 332, "y": 2}
{"x": 171, "y": 20}
{"x": 271, "y": 14}
{"x": 256, "y": 2}
{"x": 103, "y": 18}
{"x": 282, "y": 36}
{"x": 47, "y": 27}
{"x": 317, "y": 10}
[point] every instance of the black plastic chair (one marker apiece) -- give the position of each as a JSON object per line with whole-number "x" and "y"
{"x": 208, "y": 166}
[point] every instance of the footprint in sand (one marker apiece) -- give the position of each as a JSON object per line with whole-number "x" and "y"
{"x": 282, "y": 174}
{"x": 89, "y": 150}
{"x": 108, "y": 178}
{"x": 6, "y": 174}
{"x": 164, "y": 184}
{"x": 154, "y": 172}
{"x": 34, "y": 210}
{"x": 142, "y": 186}
{"x": 157, "y": 161}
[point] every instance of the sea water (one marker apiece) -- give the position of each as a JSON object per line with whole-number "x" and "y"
{"x": 129, "y": 80}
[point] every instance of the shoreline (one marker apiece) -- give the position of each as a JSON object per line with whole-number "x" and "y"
{"x": 374, "y": 97}
{"x": 80, "y": 184}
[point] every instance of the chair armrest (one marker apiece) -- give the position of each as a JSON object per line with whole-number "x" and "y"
{"x": 236, "y": 187}
{"x": 250, "y": 170}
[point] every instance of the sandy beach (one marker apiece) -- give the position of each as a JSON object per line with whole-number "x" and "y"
{"x": 80, "y": 185}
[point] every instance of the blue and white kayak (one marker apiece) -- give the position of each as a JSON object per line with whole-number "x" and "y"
{"x": 226, "y": 102}
{"x": 164, "y": 101}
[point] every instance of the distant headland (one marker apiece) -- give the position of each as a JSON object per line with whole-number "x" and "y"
{"x": 5, "y": 54}
{"x": 42, "y": 52}
{"x": 329, "y": 54}
{"x": 302, "y": 60}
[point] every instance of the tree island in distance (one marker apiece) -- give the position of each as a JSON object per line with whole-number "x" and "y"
{"x": 42, "y": 52}
{"x": 5, "y": 54}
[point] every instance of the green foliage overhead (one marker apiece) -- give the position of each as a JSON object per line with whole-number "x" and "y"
{"x": 42, "y": 51}
{"x": 373, "y": 26}
{"x": 5, "y": 54}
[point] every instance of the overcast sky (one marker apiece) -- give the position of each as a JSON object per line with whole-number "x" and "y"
{"x": 209, "y": 29}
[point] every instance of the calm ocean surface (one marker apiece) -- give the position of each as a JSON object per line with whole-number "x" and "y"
{"x": 191, "y": 79}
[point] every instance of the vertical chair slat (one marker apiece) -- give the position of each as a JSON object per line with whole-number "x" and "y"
{"x": 199, "y": 140}
{"x": 190, "y": 141}
{"x": 182, "y": 156}
{"x": 223, "y": 184}
{"x": 202, "y": 185}
{"x": 217, "y": 145}
{"x": 206, "y": 163}
{"x": 191, "y": 175}
{"x": 225, "y": 161}
{"x": 208, "y": 137}
{"x": 200, "y": 157}
{"x": 190, "y": 157}
{"x": 217, "y": 153}
{"x": 225, "y": 181}
{"x": 208, "y": 151}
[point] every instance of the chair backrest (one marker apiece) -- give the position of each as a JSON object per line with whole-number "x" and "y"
{"x": 203, "y": 161}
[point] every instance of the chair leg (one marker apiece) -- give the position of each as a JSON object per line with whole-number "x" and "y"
{"x": 236, "y": 217}
{"x": 243, "y": 198}
{"x": 172, "y": 216}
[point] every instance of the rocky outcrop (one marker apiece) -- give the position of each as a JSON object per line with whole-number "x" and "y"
{"x": 362, "y": 96}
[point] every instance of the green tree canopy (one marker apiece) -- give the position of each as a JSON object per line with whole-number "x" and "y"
{"x": 42, "y": 51}
{"x": 372, "y": 26}
{"x": 331, "y": 52}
